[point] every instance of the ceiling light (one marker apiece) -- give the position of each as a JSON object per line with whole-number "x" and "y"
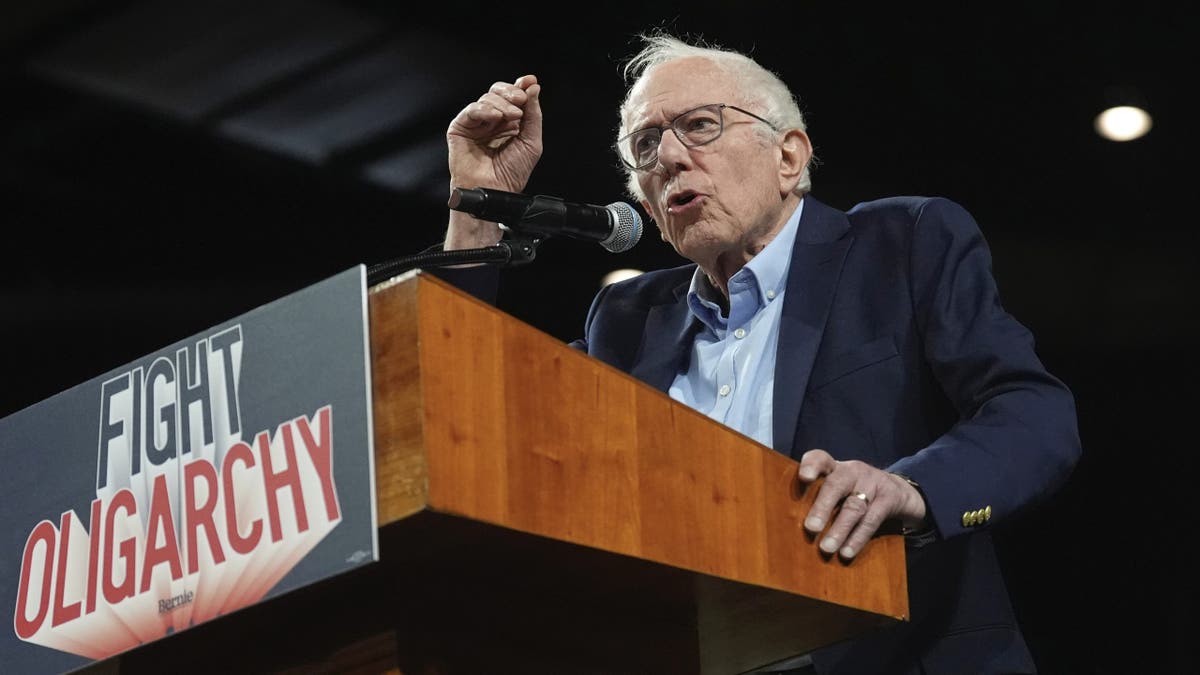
{"x": 619, "y": 275}
{"x": 1123, "y": 123}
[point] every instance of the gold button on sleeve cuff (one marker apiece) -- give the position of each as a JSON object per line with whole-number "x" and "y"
{"x": 977, "y": 517}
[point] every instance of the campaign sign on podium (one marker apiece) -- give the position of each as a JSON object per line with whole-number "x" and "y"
{"x": 220, "y": 471}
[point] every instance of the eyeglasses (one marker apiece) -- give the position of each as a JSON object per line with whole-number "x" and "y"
{"x": 696, "y": 127}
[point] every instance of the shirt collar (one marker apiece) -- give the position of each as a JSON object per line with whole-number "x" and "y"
{"x": 764, "y": 277}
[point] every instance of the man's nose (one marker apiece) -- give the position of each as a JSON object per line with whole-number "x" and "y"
{"x": 672, "y": 153}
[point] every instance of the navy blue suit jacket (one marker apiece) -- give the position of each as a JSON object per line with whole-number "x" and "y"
{"x": 894, "y": 349}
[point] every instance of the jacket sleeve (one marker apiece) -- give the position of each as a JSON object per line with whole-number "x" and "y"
{"x": 480, "y": 281}
{"x": 1016, "y": 440}
{"x": 483, "y": 282}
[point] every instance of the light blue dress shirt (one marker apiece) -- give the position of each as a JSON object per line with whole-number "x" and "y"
{"x": 731, "y": 373}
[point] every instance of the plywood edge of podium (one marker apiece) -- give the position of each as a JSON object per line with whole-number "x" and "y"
{"x": 481, "y": 417}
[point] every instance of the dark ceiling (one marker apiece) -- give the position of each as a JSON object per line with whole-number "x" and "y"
{"x": 165, "y": 166}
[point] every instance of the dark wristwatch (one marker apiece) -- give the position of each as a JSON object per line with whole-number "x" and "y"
{"x": 925, "y": 535}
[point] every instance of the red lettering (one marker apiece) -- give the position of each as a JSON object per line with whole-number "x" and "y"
{"x": 321, "y": 452}
{"x": 238, "y": 452}
{"x": 160, "y": 522}
{"x": 274, "y": 481}
{"x": 43, "y": 533}
{"x": 93, "y": 557}
{"x": 201, "y": 515}
{"x": 63, "y": 614}
{"x": 113, "y": 593}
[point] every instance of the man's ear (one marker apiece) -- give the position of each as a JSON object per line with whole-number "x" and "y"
{"x": 794, "y": 153}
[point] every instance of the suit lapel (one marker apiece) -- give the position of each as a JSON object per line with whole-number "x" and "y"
{"x": 666, "y": 342}
{"x": 816, "y": 266}
{"x": 817, "y": 259}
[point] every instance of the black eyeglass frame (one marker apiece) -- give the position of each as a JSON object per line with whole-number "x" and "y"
{"x": 681, "y": 135}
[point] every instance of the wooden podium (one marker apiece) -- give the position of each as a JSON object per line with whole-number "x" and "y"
{"x": 542, "y": 512}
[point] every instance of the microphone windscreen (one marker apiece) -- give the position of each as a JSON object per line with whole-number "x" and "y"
{"x": 627, "y": 230}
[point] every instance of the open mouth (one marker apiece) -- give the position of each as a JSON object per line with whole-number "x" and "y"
{"x": 682, "y": 198}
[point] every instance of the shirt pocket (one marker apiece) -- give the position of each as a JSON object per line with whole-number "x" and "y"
{"x": 852, "y": 360}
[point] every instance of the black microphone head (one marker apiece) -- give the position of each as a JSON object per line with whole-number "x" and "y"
{"x": 627, "y": 228}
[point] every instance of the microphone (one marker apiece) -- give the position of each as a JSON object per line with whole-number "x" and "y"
{"x": 617, "y": 227}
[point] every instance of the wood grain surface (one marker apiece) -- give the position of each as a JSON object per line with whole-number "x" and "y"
{"x": 514, "y": 428}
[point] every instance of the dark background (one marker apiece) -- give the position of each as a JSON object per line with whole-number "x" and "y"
{"x": 165, "y": 166}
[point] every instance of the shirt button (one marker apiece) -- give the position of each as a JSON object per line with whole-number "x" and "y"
{"x": 739, "y": 333}
{"x": 724, "y": 391}
{"x": 770, "y": 295}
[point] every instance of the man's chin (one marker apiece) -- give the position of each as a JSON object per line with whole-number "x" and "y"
{"x": 700, "y": 247}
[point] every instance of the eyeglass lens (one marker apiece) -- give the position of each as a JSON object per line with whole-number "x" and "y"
{"x": 693, "y": 128}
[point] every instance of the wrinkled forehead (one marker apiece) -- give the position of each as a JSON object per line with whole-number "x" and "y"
{"x": 670, "y": 88}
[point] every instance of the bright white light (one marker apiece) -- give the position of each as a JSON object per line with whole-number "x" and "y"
{"x": 1123, "y": 123}
{"x": 618, "y": 275}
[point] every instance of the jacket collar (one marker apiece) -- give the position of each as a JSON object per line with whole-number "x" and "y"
{"x": 817, "y": 260}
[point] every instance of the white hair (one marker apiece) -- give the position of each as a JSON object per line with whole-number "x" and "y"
{"x": 756, "y": 84}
